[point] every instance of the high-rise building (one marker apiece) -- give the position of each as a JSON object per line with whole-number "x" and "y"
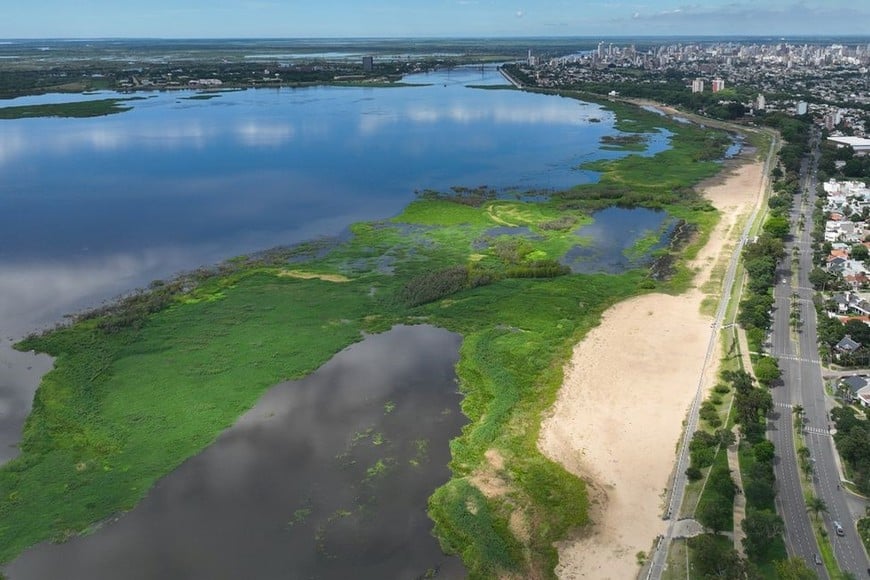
{"x": 698, "y": 86}
{"x": 368, "y": 64}
{"x": 761, "y": 102}
{"x": 802, "y": 108}
{"x": 718, "y": 85}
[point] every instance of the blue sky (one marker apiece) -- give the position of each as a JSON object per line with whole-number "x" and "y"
{"x": 400, "y": 18}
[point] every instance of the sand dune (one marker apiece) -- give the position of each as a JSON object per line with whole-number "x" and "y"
{"x": 627, "y": 389}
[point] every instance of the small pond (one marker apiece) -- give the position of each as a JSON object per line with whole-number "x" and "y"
{"x": 619, "y": 239}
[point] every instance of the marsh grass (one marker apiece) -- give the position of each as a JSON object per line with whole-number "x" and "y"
{"x": 97, "y": 108}
{"x": 130, "y": 405}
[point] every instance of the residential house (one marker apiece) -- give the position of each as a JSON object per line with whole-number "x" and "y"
{"x": 847, "y": 345}
{"x": 856, "y": 388}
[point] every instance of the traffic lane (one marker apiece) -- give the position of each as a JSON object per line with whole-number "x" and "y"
{"x": 790, "y": 501}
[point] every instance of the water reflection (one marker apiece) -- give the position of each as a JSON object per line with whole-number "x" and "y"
{"x": 292, "y": 490}
{"x": 612, "y": 236}
{"x": 90, "y": 208}
{"x": 255, "y": 134}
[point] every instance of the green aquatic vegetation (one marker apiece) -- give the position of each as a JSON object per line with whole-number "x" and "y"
{"x": 96, "y": 108}
{"x": 643, "y": 246}
{"x": 137, "y": 390}
{"x": 380, "y": 468}
{"x": 421, "y": 454}
{"x": 299, "y": 516}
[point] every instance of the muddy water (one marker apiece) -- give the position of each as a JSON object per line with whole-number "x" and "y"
{"x": 326, "y": 477}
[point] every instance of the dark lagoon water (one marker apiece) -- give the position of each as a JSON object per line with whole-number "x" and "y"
{"x": 326, "y": 477}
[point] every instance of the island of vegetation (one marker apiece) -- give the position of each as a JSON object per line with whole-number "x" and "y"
{"x": 80, "y": 109}
{"x": 145, "y": 383}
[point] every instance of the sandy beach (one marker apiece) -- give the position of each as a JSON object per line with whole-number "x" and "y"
{"x": 627, "y": 389}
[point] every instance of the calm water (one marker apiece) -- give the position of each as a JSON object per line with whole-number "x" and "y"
{"x": 611, "y": 237}
{"x": 287, "y": 492}
{"x": 90, "y": 208}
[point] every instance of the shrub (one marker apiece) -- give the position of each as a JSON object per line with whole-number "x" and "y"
{"x": 434, "y": 285}
{"x": 559, "y": 224}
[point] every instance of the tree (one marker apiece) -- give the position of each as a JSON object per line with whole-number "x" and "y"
{"x": 793, "y": 569}
{"x": 759, "y": 492}
{"x": 764, "y": 451}
{"x": 741, "y": 380}
{"x": 726, "y": 437}
{"x": 816, "y": 506}
{"x": 767, "y": 371}
{"x": 776, "y": 173}
{"x": 717, "y": 559}
{"x": 798, "y": 411}
{"x": 777, "y": 227}
{"x": 818, "y": 278}
{"x": 859, "y": 251}
{"x": 859, "y": 331}
{"x": 761, "y": 528}
{"x": 751, "y": 405}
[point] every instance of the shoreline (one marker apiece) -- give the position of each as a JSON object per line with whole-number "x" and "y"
{"x": 625, "y": 394}
{"x": 506, "y": 345}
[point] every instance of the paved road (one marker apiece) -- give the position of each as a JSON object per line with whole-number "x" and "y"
{"x": 659, "y": 555}
{"x": 803, "y": 385}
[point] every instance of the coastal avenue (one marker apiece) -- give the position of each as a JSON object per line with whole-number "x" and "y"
{"x": 803, "y": 385}
{"x": 799, "y": 537}
{"x": 659, "y": 556}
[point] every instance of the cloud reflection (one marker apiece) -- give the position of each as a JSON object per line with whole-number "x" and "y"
{"x": 18, "y": 141}
{"x": 260, "y": 134}
{"x": 555, "y": 113}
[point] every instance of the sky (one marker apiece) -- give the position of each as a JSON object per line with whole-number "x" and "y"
{"x": 428, "y": 18}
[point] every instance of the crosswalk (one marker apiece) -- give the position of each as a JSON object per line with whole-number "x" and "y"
{"x": 807, "y": 428}
{"x": 814, "y": 361}
{"x": 816, "y": 430}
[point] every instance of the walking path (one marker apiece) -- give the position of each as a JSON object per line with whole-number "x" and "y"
{"x": 739, "y": 499}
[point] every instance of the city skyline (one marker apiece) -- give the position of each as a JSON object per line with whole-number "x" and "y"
{"x": 442, "y": 18}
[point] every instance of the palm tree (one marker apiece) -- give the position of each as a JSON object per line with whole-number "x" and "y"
{"x": 817, "y": 506}
{"x": 798, "y": 411}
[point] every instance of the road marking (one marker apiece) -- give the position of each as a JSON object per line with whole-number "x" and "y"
{"x": 814, "y": 361}
{"x": 816, "y": 431}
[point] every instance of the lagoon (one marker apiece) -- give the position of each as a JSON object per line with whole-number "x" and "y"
{"x": 91, "y": 208}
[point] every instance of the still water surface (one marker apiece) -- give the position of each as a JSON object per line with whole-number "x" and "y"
{"x": 90, "y": 208}
{"x": 295, "y": 489}
{"x": 615, "y": 231}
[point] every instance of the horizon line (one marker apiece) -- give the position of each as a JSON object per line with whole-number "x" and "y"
{"x": 439, "y": 37}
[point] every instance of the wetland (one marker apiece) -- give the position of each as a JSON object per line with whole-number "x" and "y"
{"x": 141, "y": 391}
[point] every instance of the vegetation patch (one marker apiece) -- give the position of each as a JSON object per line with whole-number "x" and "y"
{"x": 81, "y": 109}
{"x": 143, "y": 384}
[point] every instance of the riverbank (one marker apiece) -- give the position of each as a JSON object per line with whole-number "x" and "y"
{"x": 140, "y": 388}
{"x": 626, "y": 392}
